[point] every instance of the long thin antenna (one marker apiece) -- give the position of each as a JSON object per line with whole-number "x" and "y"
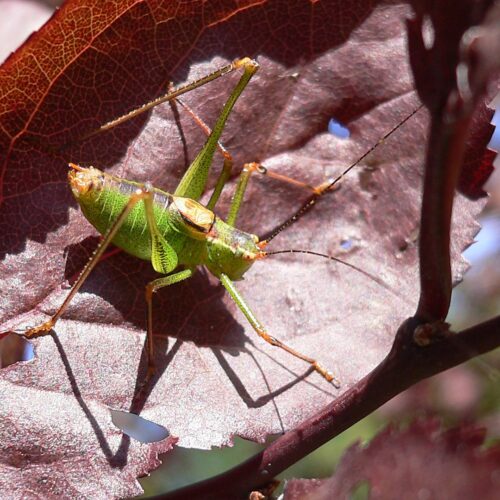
{"x": 370, "y": 276}
{"x": 328, "y": 187}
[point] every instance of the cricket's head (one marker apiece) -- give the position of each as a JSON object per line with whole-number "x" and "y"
{"x": 100, "y": 195}
{"x": 93, "y": 191}
{"x": 85, "y": 181}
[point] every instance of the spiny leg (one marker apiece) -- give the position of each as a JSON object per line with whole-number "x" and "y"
{"x": 227, "y": 166}
{"x": 260, "y": 330}
{"x": 295, "y": 182}
{"x": 168, "y": 96}
{"x": 248, "y": 170}
{"x": 194, "y": 180}
{"x": 251, "y": 167}
{"x": 151, "y": 288}
{"x": 46, "y": 327}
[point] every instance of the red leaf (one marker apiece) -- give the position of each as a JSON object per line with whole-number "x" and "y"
{"x": 215, "y": 377}
{"x": 478, "y": 161}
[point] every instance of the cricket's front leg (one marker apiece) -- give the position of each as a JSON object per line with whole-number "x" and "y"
{"x": 260, "y": 330}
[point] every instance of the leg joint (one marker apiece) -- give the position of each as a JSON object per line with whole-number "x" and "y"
{"x": 150, "y": 289}
{"x": 268, "y": 338}
{"x": 254, "y": 167}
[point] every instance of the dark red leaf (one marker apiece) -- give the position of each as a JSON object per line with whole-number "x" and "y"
{"x": 216, "y": 378}
{"x": 478, "y": 161}
{"x": 421, "y": 461}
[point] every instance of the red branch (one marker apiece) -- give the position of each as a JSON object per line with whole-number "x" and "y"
{"x": 451, "y": 97}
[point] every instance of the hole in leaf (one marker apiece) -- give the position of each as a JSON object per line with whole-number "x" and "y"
{"x": 137, "y": 427}
{"x": 29, "y": 351}
{"x": 337, "y": 129}
{"x": 346, "y": 244}
{"x": 14, "y": 348}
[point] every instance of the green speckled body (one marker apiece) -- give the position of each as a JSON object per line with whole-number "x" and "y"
{"x": 221, "y": 248}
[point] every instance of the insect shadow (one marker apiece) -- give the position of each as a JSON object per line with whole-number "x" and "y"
{"x": 118, "y": 459}
{"x": 204, "y": 297}
{"x": 192, "y": 311}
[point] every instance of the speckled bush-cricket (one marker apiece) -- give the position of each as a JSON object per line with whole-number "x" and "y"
{"x": 175, "y": 232}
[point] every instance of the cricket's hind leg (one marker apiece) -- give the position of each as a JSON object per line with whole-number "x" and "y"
{"x": 248, "y": 169}
{"x": 227, "y": 166}
{"x": 260, "y": 330}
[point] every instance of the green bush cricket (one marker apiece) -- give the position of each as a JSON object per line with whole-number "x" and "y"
{"x": 175, "y": 232}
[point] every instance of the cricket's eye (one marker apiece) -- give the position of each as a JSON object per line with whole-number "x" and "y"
{"x": 194, "y": 215}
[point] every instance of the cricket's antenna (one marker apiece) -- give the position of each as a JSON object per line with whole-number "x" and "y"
{"x": 330, "y": 185}
{"x": 370, "y": 276}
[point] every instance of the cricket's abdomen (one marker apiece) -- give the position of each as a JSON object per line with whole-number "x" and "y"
{"x": 102, "y": 197}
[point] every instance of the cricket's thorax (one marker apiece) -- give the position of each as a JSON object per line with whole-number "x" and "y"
{"x": 193, "y": 231}
{"x": 230, "y": 251}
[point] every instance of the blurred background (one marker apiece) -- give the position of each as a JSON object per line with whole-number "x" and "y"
{"x": 469, "y": 392}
